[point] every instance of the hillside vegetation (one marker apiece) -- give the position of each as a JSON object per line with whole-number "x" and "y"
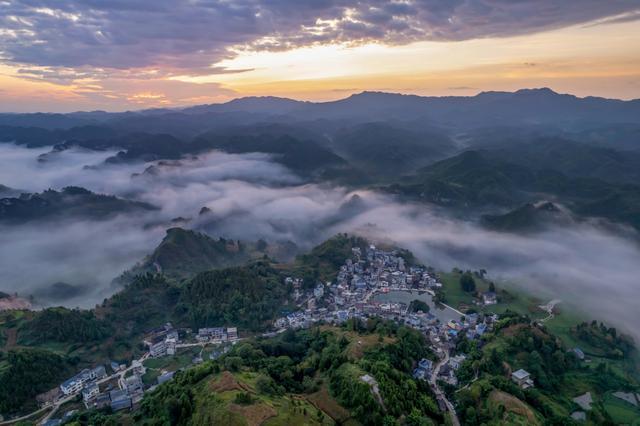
{"x": 25, "y": 373}
{"x": 70, "y": 202}
{"x": 478, "y": 180}
{"x": 303, "y": 377}
{"x": 63, "y": 325}
{"x": 247, "y": 296}
{"x": 558, "y": 375}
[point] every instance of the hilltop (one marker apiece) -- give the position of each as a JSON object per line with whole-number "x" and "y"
{"x": 480, "y": 180}
{"x": 69, "y": 203}
{"x": 531, "y": 217}
{"x": 377, "y": 362}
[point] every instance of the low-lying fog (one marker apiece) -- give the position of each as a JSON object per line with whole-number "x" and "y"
{"x": 252, "y": 197}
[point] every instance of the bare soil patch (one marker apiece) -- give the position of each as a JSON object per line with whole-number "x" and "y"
{"x": 324, "y": 402}
{"x": 254, "y": 414}
{"x": 513, "y": 404}
{"x": 226, "y": 382}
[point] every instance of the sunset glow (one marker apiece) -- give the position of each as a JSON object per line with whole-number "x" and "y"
{"x": 599, "y": 56}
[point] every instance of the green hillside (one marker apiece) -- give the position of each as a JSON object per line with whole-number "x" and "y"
{"x": 308, "y": 377}
{"x": 384, "y": 151}
{"x": 248, "y": 296}
{"x": 558, "y": 376}
{"x": 183, "y": 253}
{"x": 527, "y": 218}
{"x": 323, "y": 261}
{"x": 477, "y": 180}
{"x": 63, "y": 325}
{"x": 25, "y": 373}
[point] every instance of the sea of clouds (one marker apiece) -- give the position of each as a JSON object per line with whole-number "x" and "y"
{"x": 250, "y": 196}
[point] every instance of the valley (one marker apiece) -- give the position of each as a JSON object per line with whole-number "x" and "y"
{"x": 308, "y": 263}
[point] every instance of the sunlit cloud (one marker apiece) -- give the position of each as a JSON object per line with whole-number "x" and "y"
{"x": 224, "y": 49}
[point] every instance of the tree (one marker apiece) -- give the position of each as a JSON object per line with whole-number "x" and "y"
{"x": 233, "y": 363}
{"x": 243, "y": 398}
{"x": 418, "y": 305}
{"x": 467, "y": 282}
{"x": 415, "y": 418}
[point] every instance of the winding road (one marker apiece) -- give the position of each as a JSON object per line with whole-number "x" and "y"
{"x": 433, "y": 381}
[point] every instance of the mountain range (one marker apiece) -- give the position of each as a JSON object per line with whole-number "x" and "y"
{"x": 481, "y": 154}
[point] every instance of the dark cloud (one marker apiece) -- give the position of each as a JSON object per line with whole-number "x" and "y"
{"x": 188, "y": 37}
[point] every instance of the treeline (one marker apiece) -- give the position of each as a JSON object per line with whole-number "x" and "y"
{"x": 516, "y": 343}
{"x": 607, "y": 339}
{"x": 25, "y": 373}
{"x": 325, "y": 260}
{"x": 63, "y": 325}
{"x": 248, "y": 296}
{"x": 146, "y": 303}
{"x": 303, "y": 362}
{"x": 296, "y": 362}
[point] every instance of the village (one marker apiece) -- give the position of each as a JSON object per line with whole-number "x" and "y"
{"x": 124, "y": 388}
{"x": 379, "y": 283}
{"x": 372, "y": 283}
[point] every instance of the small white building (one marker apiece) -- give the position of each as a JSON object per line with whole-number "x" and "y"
{"x": 90, "y": 391}
{"x": 158, "y": 348}
{"x": 138, "y": 368}
{"x": 232, "y": 333}
{"x": 318, "y": 292}
{"x": 489, "y": 298}
{"x": 522, "y": 378}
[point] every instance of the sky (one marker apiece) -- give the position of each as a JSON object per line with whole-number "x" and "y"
{"x": 115, "y": 55}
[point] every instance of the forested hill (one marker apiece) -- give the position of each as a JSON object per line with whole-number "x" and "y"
{"x": 528, "y": 218}
{"x": 481, "y": 179}
{"x": 250, "y": 297}
{"x": 311, "y": 377}
{"x": 69, "y": 203}
{"x": 183, "y": 253}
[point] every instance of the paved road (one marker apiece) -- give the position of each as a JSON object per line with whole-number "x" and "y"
{"x": 119, "y": 375}
{"x": 433, "y": 380}
{"x": 25, "y": 417}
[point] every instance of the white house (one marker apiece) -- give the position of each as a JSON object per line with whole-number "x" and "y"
{"x": 522, "y": 378}
{"x": 90, "y": 391}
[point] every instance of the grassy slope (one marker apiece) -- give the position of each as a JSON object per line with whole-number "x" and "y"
{"x": 515, "y": 300}
{"x": 215, "y": 404}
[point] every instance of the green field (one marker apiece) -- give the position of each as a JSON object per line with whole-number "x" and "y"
{"x": 155, "y": 366}
{"x": 621, "y": 412}
{"x": 216, "y": 401}
{"x": 508, "y": 297}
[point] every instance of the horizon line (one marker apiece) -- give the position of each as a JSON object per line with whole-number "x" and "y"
{"x": 307, "y": 101}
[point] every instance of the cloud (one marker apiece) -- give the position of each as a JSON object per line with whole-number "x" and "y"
{"x": 251, "y": 197}
{"x": 175, "y": 37}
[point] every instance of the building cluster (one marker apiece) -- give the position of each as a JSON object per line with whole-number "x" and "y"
{"x": 85, "y": 378}
{"x": 162, "y": 341}
{"x": 375, "y": 271}
{"x": 351, "y": 295}
{"x": 129, "y": 392}
{"x": 125, "y": 388}
{"x": 217, "y": 335}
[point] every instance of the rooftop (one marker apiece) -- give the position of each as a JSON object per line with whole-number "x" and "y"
{"x": 520, "y": 374}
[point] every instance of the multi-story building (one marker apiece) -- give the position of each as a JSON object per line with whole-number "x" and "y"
{"x": 77, "y": 382}
{"x": 90, "y": 391}
{"x": 158, "y": 348}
